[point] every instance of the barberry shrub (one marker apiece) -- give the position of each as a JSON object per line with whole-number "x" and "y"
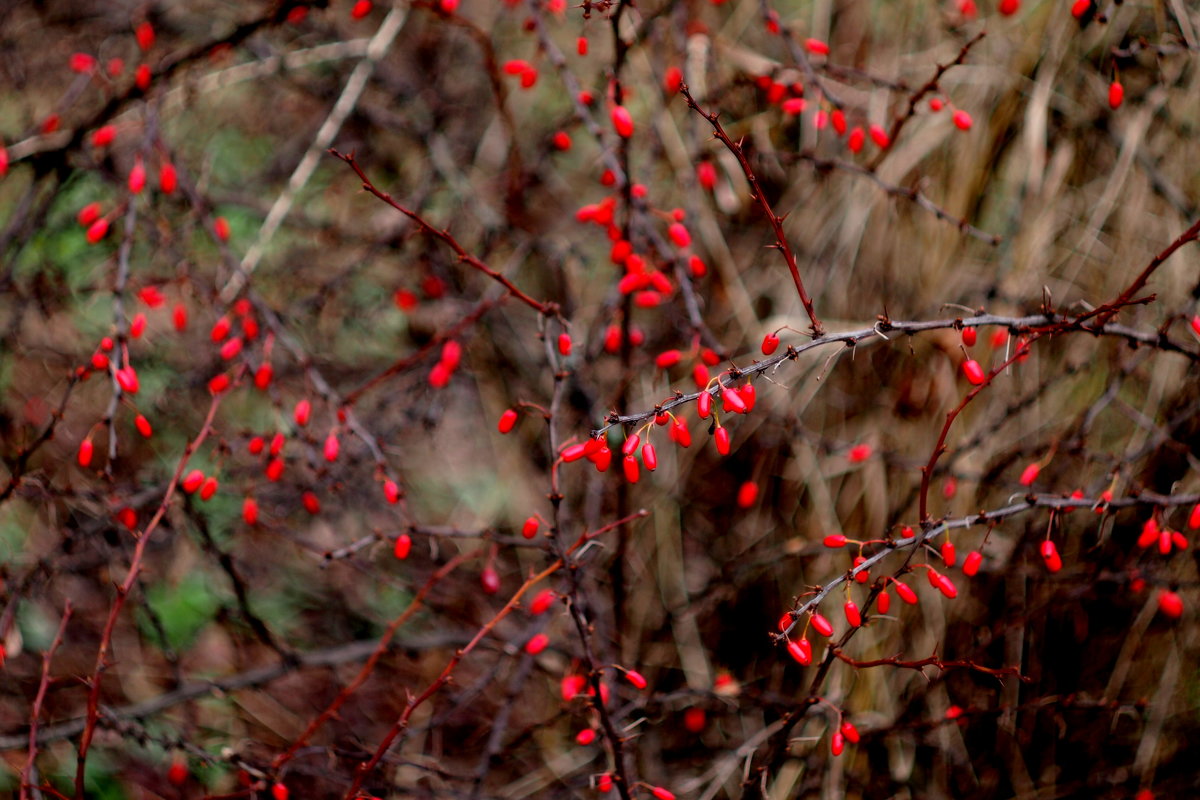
{"x": 361, "y": 362}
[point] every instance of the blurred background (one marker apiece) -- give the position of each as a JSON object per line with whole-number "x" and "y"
{"x": 166, "y": 169}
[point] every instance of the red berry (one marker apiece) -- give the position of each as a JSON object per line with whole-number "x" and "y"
{"x": 360, "y": 9}
{"x": 221, "y": 228}
{"x": 104, "y": 136}
{"x": 769, "y": 344}
{"x": 564, "y": 344}
{"x": 948, "y": 553}
{"x": 668, "y": 359}
{"x": 835, "y": 540}
{"x": 622, "y": 121}
{"x": 945, "y": 585}
{"x": 604, "y": 783}
{"x": 127, "y": 379}
{"x": 679, "y": 235}
{"x": 1009, "y": 7}
{"x": 1080, "y": 7}
{"x": 632, "y": 471}
{"x": 137, "y": 177}
{"x": 489, "y": 579}
{"x": 853, "y": 616}
{"x": 97, "y": 231}
{"x": 879, "y": 136}
{"x": 332, "y": 447}
{"x": 144, "y": 33}
{"x": 661, "y": 794}
{"x": 231, "y": 348}
{"x": 88, "y": 214}
{"x": 732, "y": 402}
{"x": 402, "y": 547}
{"x": 706, "y": 175}
{"x": 973, "y": 372}
{"x": 816, "y": 47}
{"x": 721, "y": 440}
{"x": 192, "y": 481}
{"x": 451, "y": 355}
{"x": 585, "y": 736}
{"x": 1029, "y": 474}
{"x": 821, "y": 625}
{"x": 311, "y": 503}
{"x": 906, "y": 593}
{"x": 969, "y": 336}
{"x": 537, "y": 644}
{"x": 1050, "y": 556}
{"x": 391, "y": 491}
{"x": 971, "y": 564}
{"x": 884, "y": 602}
{"x": 850, "y": 732}
{"x": 177, "y": 773}
{"x": 856, "y": 140}
{"x": 279, "y": 792}
{"x": 542, "y": 602}
{"x": 837, "y": 743}
{"x": 861, "y": 576}
{"x": 1116, "y": 94}
{"x": 1170, "y": 604}
{"x": 143, "y": 426}
{"x": 81, "y": 62}
{"x": 208, "y": 488}
{"x": 1149, "y": 535}
{"x": 704, "y": 405}
{"x": 962, "y": 120}
{"x": 672, "y": 79}
{"x": 86, "y": 448}
{"x": 530, "y": 528}
{"x": 649, "y": 457}
{"x": 747, "y": 494}
{"x": 801, "y": 651}
{"x": 179, "y": 317}
{"x": 262, "y": 377}
{"x": 250, "y": 510}
{"x": 274, "y": 469}
{"x": 635, "y": 677}
{"x": 859, "y": 453}
{"x": 561, "y": 140}
{"x": 680, "y": 434}
{"x": 695, "y": 720}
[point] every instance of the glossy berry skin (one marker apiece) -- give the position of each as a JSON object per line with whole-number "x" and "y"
{"x": 721, "y": 440}
{"x": 635, "y": 677}
{"x": 530, "y": 528}
{"x": 622, "y": 121}
{"x": 853, "y": 615}
{"x": 837, "y": 743}
{"x": 279, "y": 792}
{"x": 770, "y": 344}
{"x": 564, "y": 344}
{"x": 1116, "y": 95}
{"x": 1050, "y": 556}
{"x": 489, "y": 579}
{"x": 649, "y": 457}
{"x": 630, "y": 466}
{"x": 402, "y": 547}
{"x": 906, "y": 593}
{"x": 1170, "y": 604}
{"x": 883, "y": 603}
{"x": 971, "y": 565}
{"x": 973, "y": 372}
{"x": 821, "y": 625}
{"x": 801, "y": 651}
{"x": 542, "y": 602}
{"x": 962, "y": 120}
{"x": 949, "y": 556}
{"x": 969, "y": 337}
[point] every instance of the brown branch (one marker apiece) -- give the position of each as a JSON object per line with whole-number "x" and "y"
{"x": 367, "y": 668}
{"x": 135, "y": 566}
{"x": 765, "y": 204}
{"x": 931, "y": 661}
{"x": 36, "y": 711}
{"x": 547, "y": 308}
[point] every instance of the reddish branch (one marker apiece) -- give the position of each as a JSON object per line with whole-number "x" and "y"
{"x": 36, "y": 710}
{"x": 369, "y": 666}
{"x": 931, "y": 661}
{"x": 414, "y": 701}
{"x": 135, "y": 567}
{"x": 765, "y": 204}
{"x": 930, "y": 86}
{"x": 546, "y": 308}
